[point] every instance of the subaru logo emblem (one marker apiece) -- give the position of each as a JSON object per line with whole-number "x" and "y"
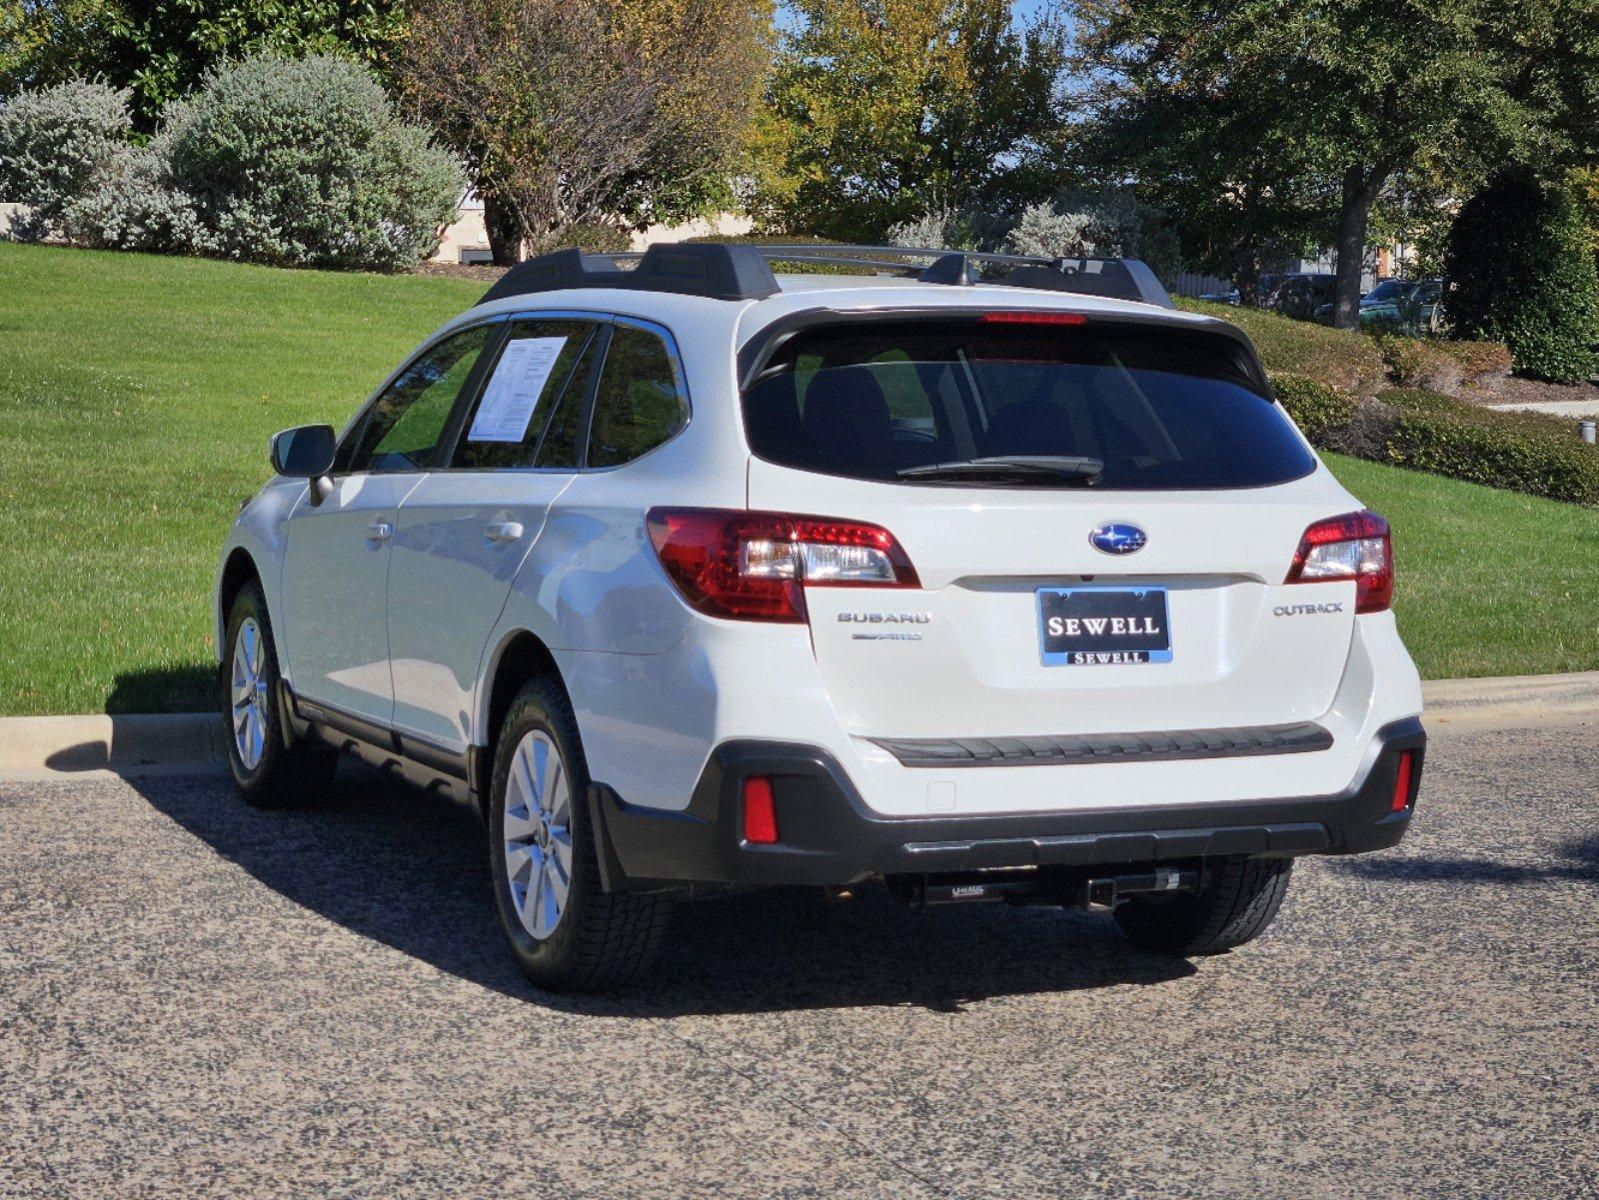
{"x": 1116, "y": 537}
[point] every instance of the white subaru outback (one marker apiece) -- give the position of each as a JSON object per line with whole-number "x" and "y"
{"x": 997, "y": 579}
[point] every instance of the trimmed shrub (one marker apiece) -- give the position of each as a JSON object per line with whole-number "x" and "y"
{"x": 1525, "y": 452}
{"x": 1344, "y": 360}
{"x": 54, "y": 144}
{"x": 304, "y": 162}
{"x": 1112, "y": 223}
{"x": 941, "y": 228}
{"x": 1484, "y": 364}
{"x": 134, "y": 206}
{"x": 1317, "y": 409}
{"x": 1414, "y": 362}
{"x": 1522, "y": 273}
{"x": 1045, "y": 231}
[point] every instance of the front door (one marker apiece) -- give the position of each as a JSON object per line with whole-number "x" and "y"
{"x": 336, "y": 563}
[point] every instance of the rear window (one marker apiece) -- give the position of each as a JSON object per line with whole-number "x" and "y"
{"x": 1162, "y": 409}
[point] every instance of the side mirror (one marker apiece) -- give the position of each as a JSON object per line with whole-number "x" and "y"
{"x": 305, "y": 452}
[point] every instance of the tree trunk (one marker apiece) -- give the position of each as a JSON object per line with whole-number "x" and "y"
{"x": 504, "y": 230}
{"x": 1359, "y": 194}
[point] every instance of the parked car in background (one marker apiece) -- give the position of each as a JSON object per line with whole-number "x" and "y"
{"x": 1415, "y": 306}
{"x": 1302, "y": 295}
{"x": 1411, "y": 306}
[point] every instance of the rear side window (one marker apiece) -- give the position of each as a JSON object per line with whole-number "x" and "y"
{"x": 640, "y": 402}
{"x": 529, "y": 379}
{"x": 1163, "y": 409}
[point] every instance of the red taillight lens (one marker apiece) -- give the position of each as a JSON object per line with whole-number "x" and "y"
{"x": 1355, "y": 546}
{"x": 1402, "y": 780}
{"x": 760, "y": 813}
{"x": 1034, "y": 317}
{"x": 753, "y": 566}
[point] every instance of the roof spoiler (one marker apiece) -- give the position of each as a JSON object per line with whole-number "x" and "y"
{"x": 743, "y": 271}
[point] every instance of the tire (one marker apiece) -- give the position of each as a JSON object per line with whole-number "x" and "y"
{"x": 1236, "y": 903}
{"x": 596, "y": 940}
{"x": 271, "y": 767}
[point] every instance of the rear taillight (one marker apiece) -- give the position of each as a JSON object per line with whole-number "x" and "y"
{"x": 753, "y": 566}
{"x": 1354, "y": 546}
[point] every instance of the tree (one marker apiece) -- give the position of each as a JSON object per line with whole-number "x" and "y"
{"x": 163, "y": 49}
{"x": 879, "y": 111}
{"x": 1287, "y": 119}
{"x": 581, "y": 112}
{"x": 1521, "y": 270}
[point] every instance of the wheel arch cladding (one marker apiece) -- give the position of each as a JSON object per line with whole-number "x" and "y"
{"x": 239, "y": 570}
{"x": 521, "y": 656}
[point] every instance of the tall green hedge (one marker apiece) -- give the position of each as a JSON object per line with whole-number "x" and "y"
{"x": 1525, "y": 452}
{"x": 1521, "y": 271}
{"x": 1317, "y": 409}
{"x": 1427, "y": 431}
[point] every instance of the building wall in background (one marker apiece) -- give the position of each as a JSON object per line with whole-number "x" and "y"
{"x": 466, "y": 239}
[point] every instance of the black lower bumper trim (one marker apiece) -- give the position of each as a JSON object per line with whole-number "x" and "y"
{"x": 829, "y": 836}
{"x": 1303, "y": 737}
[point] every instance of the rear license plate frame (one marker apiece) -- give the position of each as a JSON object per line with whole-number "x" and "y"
{"x": 1082, "y": 646}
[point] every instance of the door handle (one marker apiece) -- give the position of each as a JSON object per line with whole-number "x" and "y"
{"x": 503, "y": 531}
{"x": 379, "y": 531}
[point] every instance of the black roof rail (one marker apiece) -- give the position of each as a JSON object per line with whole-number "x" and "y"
{"x": 711, "y": 269}
{"x": 743, "y": 271}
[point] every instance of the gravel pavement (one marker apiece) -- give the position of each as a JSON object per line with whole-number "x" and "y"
{"x": 201, "y": 1000}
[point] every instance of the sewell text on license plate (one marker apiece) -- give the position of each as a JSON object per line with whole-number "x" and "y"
{"x": 1090, "y": 626}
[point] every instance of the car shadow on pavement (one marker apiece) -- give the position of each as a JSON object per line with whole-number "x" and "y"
{"x": 1578, "y": 862}
{"x": 407, "y": 869}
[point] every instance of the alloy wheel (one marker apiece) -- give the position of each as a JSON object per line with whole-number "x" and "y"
{"x": 249, "y": 693}
{"x": 538, "y": 834}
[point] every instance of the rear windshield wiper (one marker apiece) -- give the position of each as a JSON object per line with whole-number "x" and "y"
{"x": 1034, "y": 469}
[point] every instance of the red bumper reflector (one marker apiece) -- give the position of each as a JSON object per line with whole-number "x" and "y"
{"x": 760, "y": 814}
{"x": 1402, "y": 780}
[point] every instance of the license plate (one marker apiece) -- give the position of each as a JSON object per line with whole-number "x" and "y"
{"x": 1082, "y": 627}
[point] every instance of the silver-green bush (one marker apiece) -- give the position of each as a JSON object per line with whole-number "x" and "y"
{"x": 1106, "y": 224}
{"x": 134, "y": 206}
{"x": 54, "y": 145}
{"x": 304, "y": 162}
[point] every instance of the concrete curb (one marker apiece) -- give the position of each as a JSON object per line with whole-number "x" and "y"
{"x": 1512, "y": 700}
{"x": 57, "y": 748}
{"x": 35, "y": 748}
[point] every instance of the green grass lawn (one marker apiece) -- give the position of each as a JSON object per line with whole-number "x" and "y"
{"x": 1489, "y": 582}
{"x": 137, "y": 395}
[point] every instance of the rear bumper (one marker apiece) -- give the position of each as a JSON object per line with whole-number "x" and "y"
{"x": 830, "y": 837}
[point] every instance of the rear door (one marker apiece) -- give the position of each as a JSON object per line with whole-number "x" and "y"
{"x": 1148, "y": 598}
{"x": 465, "y": 529}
